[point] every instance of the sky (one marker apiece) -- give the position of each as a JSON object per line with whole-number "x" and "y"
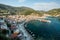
{"x": 35, "y": 4}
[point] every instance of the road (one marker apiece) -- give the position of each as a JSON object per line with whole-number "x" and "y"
{"x": 26, "y": 34}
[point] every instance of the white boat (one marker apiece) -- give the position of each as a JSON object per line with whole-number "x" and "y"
{"x": 46, "y": 21}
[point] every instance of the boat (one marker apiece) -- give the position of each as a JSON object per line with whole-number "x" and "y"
{"x": 48, "y": 21}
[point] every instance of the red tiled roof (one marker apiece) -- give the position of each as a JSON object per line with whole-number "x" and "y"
{"x": 14, "y": 35}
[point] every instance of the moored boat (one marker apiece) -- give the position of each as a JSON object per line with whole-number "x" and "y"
{"x": 48, "y": 21}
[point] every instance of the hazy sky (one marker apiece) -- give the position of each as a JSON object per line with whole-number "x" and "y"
{"x": 35, "y": 4}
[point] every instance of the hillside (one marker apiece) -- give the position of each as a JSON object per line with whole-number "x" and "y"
{"x": 6, "y": 9}
{"x": 15, "y": 10}
{"x": 54, "y": 11}
{"x": 26, "y": 10}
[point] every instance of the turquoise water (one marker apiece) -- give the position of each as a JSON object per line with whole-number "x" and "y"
{"x": 44, "y": 29}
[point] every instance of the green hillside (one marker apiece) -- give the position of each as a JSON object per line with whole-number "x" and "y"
{"x": 54, "y": 11}
{"x": 25, "y": 10}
